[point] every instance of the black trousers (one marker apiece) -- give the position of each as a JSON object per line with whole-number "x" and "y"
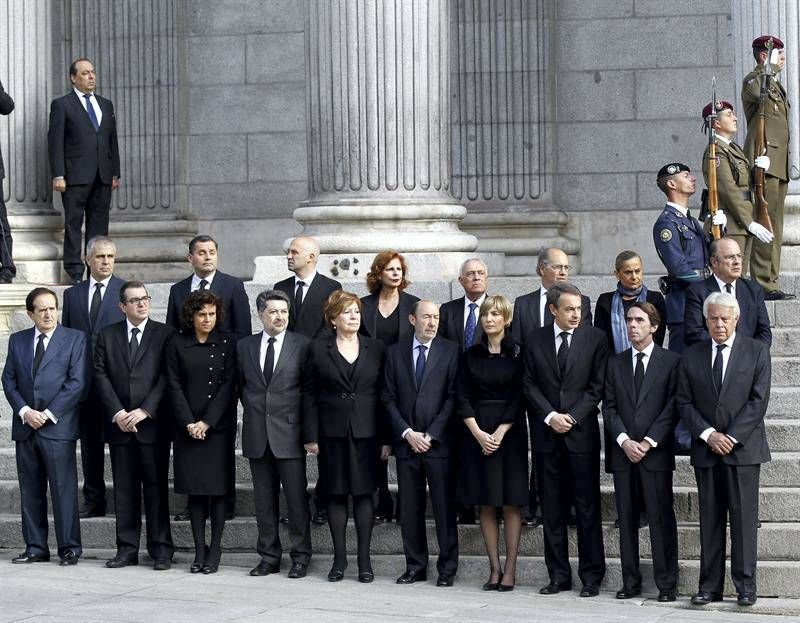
{"x": 728, "y": 492}
{"x": 269, "y": 473}
{"x": 638, "y": 488}
{"x": 42, "y": 461}
{"x": 141, "y": 471}
{"x": 6, "y": 243}
{"x": 555, "y": 471}
{"x": 412, "y": 475}
{"x": 92, "y": 201}
{"x": 93, "y": 454}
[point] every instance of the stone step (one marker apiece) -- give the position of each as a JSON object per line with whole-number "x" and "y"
{"x": 777, "y": 541}
{"x": 785, "y": 371}
{"x": 776, "y": 504}
{"x": 785, "y": 342}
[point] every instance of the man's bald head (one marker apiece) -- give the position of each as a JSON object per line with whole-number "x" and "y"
{"x": 302, "y": 256}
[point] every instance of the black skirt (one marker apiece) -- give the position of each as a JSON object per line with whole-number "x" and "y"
{"x": 348, "y": 466}
{"x": 204, "y": 467}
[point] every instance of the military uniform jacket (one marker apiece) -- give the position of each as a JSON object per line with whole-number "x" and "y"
{"x": 733, "y": 181}
{"x": 776, "y": 121}
{"x": 681, "y": 245}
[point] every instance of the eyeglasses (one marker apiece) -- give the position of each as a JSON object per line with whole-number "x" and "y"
{"x": 136, "y": 301}
{"x": 561, "y": 268}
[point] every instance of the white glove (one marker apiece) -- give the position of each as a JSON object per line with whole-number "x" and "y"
{"x": 720, "y": 219}
{"x": 762, "y": 233}
{"x": 762, "y": 162}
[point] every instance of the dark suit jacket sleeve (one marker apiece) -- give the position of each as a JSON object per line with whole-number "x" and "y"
{"x": 661, "y": 428}
{"x": 310, "y": 414}
{"x": 55, "y": 138}
{"x": 114, "y": 145}
{"x": 602, "y": 315}
{"x": 180, "y": 408}
{"x": 694, "y": 327}
{"x": 220, "y": 405}
{"x": 75, "y": 382}
{"x": 11, "y": 377}
{"x": 6, "y": 103}
{"x": 538, "y": 402}
{"x": 611, "y": 418}
{"x": 464, "y": 389}
{"x": 586, "y": 406}
{"x": 752, "y": 413}
{"x": 661, "y": 306}
{"x": 586, "y": 310}
{"x": 240, "y": 310}
{"x": 389, "y": 397}
{"x": 66, "y": 320}
{"x": 438, "y": 427}
{"x": 102, "y": 382}
{"x": 517, "y": 326}
{"x": 684, "y": 401}
{"x": 173, "y": 319}
{"x": 763, "y": 331}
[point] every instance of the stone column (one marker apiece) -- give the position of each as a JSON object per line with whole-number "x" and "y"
{"x": 752, "y": 18}
{"x": 25, "y": 67}
{"x": 378, "y": 110}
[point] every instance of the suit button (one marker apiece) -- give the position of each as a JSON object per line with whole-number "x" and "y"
{"x": 212, "y": 356}
{"x": 211, "y": 368}
{"x": 210, "y": 382}
{"x": 343, "y": 396}
{"x": 209, "y": 395}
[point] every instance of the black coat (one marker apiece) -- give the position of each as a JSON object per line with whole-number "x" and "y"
{"x": 6, "y": 106}
{"x": 310, "y": 322}
{"x": 526, "y": 315}
{"x": 451, "y": 322}
{"x": 370, "y": 311}
{"x": 602, "y": 316}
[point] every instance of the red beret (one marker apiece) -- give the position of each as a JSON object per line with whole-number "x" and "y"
{"x": 718, "y": 106}
{"x": 760, "y": 43}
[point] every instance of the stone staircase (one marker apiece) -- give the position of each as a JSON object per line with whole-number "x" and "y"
{"x": 779, "y": 537}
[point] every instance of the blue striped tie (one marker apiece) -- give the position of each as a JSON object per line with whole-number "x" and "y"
{"x": 90, "y": 110}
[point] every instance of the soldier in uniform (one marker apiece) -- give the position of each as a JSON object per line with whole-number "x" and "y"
{"x": 680, "y": 243}
{"x": 734, "y": 180}
{"x": 765, "y": 261}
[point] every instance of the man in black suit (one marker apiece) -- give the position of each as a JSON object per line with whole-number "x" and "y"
{"x": 84, "y": 161}
{"x": 130, "y": 383}
{"x": 90, "y": 306}
{"x": 308, "y": 290}
{"x": 723, "y": 392}
{"x": 203, "y": 256}
{"x": 8, "y": 270}
{"x": 419, "y": 394}
{"x": 563, "y": 384}
{"x": 272, "y": 377}
{"x": 639, "y": 416}
{"x": 726, "y": 266}
{"x": 44, "y": 377}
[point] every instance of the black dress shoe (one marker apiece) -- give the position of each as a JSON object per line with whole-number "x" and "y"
{"x": 119, "y": 561}
{"x": 664, "y": 596}
{"x": 590, "y": 591}
{"x": 444, "y": 579}
{"x": 87, "y": 512}
{"x": 265, "y": 568}
{"x": 25, "y": 558}
{"x": 492, "y": 586}
{"x": 68, "y": 559}
{"x": 381, "y": 517}
{"x": 627, "y": 593}
{"x": 532, "y": 521}
{"x": 504, "y": 588}
{"x": 182, "y": 515}
{"x": 746, "y": 599}
{"x": 335, "y": 575}
{"x": 555, "y": 587}
{"x": 196, "y": 567}
{"x": 320, "y": 518}
{"x": 778, "y": 295}
{"x": 162, "y": 564}
{"x": 702, "y": 598}
{"x": 365, "y": 577}
{"x": 208, "y": 569}
{"x": 298, "y": 570}
{"x": 409, "y": 577}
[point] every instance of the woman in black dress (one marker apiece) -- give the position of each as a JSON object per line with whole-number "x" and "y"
{"x": 385, "y": 317}
{"x": 494, "y": 468}
{"x": 343, "y": 409}
{"x": 201, "y": 373}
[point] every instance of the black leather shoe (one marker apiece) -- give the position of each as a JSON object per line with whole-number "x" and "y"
{"x": 88, "y": 512}
{"x": 532, "y": 521}
{"x": 25, "y": 558}
{"x": 664, "y": 596}
{"x": 196, "y": 567}
{"x": 409, "y": 577}
{"x": 492, "y": 586}
{"x": 381, "y": 517}
{"x": 703, "y": 598}
{"x": 209, "y": 569}
{"x": 555, "y": 587}
{"x": 504, "y": 588}
{"x": 265, "y": 568}
{"x": 778, "y": 295}
{"x": 320, "y": 518}
{"x": 746, "y": 599}
{"x": 68, "y": 559}
{"x": 182, "y": 515}
{"x": 444, "y": 579}
{"x": 119, "y": 561}
{"x": 365, "y": 577}
{"x": 335, "y": 575}
{"x": 162, "y": 564}
{"x": 298, "y": 570}
{"x": 627, "y": 593}
{"x": 590, "y": 591}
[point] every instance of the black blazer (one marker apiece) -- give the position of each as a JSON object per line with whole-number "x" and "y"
{"x": 6, "y": 106}
{"x": 274, "y": 417}
{"x": 334, "y": 404}
{"x": 451, "y": 322}
{"x": 578, "y": 394}
{"x": 602, "y": 316}
{"x": 120, "y": 385}
{"x": 230, "y": 289}
{"x": 369, "y": 314}
{"x": 737, "y": 411}
{"x": 653, "y": 415}
{"x": 425, "y": 409}
{"x": 753, "y": 320}
{"x": 75, "y": 309}
{"x": 526, "y": 315}
{"x": 311, "y": 322}
{"x": 76, "y": 151}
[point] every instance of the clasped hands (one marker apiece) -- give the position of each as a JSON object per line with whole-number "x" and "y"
{"x": 197, "y": 430}
{"x": 561, "y": 422}
{"x": 635, "y": 450}
{"x": 127, "y": 420}
{"x": 35, "y": 419}
{"x": 490, "y": 442}
{"x": 420, "y": 442}
{"x": 720, "y": 443}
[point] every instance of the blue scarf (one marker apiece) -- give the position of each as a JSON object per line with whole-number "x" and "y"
{"x": 618, "y": 327}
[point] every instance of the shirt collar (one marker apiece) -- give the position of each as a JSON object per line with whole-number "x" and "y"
{"x": 47, "y": 335}
{"x": 307, "y": 280}
{"x": 722, "y": 139}
{"x": 479, "y": 302}
{"x": 93, "y": 281}
{"x": 722, "y": 284}
{"x": 415, "y": 343}
{"x": 648, "y": 351}
{"x": 278, "y": 338}
{"x": 680, "y": 209}
{"x": 140, "y": 327}
{"x": 81, "y": 95}
{"x": 196, "y": 280}
{"x": 728, "y": 342}
{"x": 558, "y": 330}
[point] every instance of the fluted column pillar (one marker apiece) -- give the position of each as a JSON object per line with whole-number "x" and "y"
{"x": 752, "y": 18}
{"x": 378, "y": 111}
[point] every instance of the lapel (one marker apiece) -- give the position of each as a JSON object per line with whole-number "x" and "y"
{"x": 575, "y": 347}
{"x": 432, "y": 361}
{"x": 730, "y": 370}
{"x": 550, "y": 351}
{"x": 656, "y": 361}
{"x": 81, "y": 111}
{"x": 144, "y": 342}
{"x": 408, "y": 362}
{"x": 287, "y": 350}
{"x": 335, "y": 357}
{"x": 254, "y": 348}
{"x": 706, "y": 365}
{"x": 459, "y": 319}
{"x": 537, "y": 302}
{"x": 107, "y": 305}
{"x": 82, "y": 292}
{"x": 26, "y": 346}
{"x": 53, "y": 347}
{"x": 626, "y": 375}
{"x": 311, "y": 294}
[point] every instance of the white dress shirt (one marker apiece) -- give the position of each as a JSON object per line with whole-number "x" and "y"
{"x": 557, "y": 339}
{"x": 196, "y": 281}
{"x": 648, "y": 353}
{"x": 130, "y": 327}
{"x": 95, "y": 104}
{"x": 276, "y": 346}
{"x": 307, "y": 281}
{"x": 722, "y": 285}
{"x": 415, "y": 344}
{"x": 45, "y": 343}
{"x": 467, "y": 303}
{"x": 92, "y": 282}
{"x": 726, "y": 355}
{"x": 542, "y": 304}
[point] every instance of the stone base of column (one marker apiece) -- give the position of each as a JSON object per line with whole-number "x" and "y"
{"x": 152, "y": 250}
{"x": 370, "y": 228}
{"x": 12, "y": 300}
{"x": 519, "y": 234}
{"x": 38, "y": 241}
{"x": 790, "y": 253}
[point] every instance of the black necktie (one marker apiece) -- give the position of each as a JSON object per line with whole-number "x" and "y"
{"x": 638, "y": 374}
{"x": 563, "y": 351}
{"x": 420, "y": 364}
{"x": 133, "y": 345}
{"x": 716, "y": 370}
{"x": 94, "y": 308}
{"x": 298, "y": 298}
{"x": 728, "y": 288}
{"x": 203, "y": 285}
{"x": 269, "y": 361}
{"x": 90, "y": 111}
{"x": 38, "y": 354}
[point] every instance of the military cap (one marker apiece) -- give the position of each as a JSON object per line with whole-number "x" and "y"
{"x": 760, "y": 43}
{"x": 719, "y": 106}
{"x": 673, "y": 168}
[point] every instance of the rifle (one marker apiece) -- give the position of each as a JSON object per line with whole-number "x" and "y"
{"x": 760, "y": 147}
{"x": 713, "y": 197}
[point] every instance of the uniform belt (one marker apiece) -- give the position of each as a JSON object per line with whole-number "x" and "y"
{"x": 747, "y": 195}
